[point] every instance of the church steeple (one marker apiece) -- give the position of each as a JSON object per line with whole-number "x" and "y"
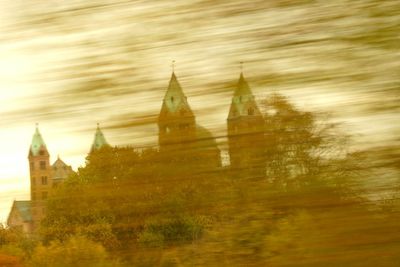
{"x": 40, "y": 176}
{"x": 243, "y": 102}
{"x": 176, "y": 121}
{"x": 99, "y": 139}
{"x": 38, "y": 145}
{"x": 175, "y": 101}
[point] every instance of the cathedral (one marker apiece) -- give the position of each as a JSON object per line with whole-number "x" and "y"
{"x": 179, "y": 135}
{"x": 44, "y": 177}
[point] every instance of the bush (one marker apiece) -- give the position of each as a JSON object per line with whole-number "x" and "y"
{"x": 176, "y": 230}
{"x": 76, "y": 251}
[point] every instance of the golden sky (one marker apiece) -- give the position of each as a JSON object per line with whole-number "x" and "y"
{"x": 70, "y": 64}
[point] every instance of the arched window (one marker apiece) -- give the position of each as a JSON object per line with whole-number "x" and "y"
{"x": 42, "y": 165}
{"x": 250, "y": 111}
{"x": 172, "y": 99}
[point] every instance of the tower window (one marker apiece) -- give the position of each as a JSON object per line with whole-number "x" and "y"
{"x": 44, "y": 180}
{"x": 172, "y": 99}
{"x": 43, "y": 165}
{"x": 250, "y": 111}
{"x": 41, "y": 152}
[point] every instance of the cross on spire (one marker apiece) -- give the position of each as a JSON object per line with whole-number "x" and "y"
{"x": 173, "y": 65}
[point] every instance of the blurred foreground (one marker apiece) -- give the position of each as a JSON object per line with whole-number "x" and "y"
{"x": 301, "y": 204}
{"x": 297, "y": 188}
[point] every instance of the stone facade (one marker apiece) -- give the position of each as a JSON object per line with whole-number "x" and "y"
{"x": 43, "y": 178}
{"x": 245, "y": 133}
{"x": 179, "y": 134}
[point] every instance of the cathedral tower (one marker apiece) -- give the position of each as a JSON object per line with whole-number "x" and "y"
{"x": 245, "y": 132}
{"x": 99, "y": 140}
{"x": 26, "y": 214}
{"x": 176, "y": 122}
{"x": 180, "y": 137}
{"x": 40, "y": 176}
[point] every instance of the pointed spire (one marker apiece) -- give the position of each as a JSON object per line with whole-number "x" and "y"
{"x": 173, "y": 66}
{"x": 243, "y": 102}
{"x": 174, "y": 99}
{"x": 99, "y": 139}
{"x": 37, "y": 143}
{"x": 57, "y": 160}
{"x": 242, "y": 87}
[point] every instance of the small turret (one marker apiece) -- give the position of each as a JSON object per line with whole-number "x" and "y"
{"x": 61, "y": 171}
{"x": 99, "y": 140}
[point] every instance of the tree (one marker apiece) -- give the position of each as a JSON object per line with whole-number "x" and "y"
{"x": 304, "y": 152}
{"x": 308, "y": 211}
{"x": 74, "y": 252}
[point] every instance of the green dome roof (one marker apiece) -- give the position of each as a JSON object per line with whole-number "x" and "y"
{"x": 174, "y": 100}
{"x": 205, "y": 139}
{"x": 37, "y": 143}
{"x": 243, "y": 102}
{"x": 99, "y": 139}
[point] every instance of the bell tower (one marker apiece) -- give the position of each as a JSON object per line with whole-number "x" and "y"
{"x": 99, "y": 140}
{"x": 176, "y": 122}
{"x": 40, "y": 176}
{"x": 245, "y": 132}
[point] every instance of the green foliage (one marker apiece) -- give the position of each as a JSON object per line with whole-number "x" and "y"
{"x": 150, "y": 238}
{"x": 75, "y": 252}
{"x": 176, "y": 230}
{"x": 156, "y": 208}
{"x": 302, "y": 152}
{"x": 15, "y": 243}
{"x": 11, "y": 236}
{"x": 110, "y": 163}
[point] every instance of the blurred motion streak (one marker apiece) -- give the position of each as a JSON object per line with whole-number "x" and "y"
{"x": 291, "y": 158}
